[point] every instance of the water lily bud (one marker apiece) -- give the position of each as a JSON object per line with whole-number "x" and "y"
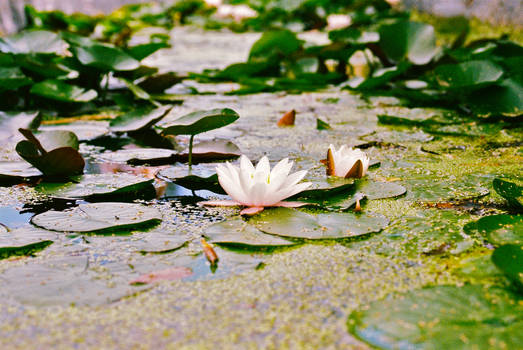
{"x": 347, "y": 162}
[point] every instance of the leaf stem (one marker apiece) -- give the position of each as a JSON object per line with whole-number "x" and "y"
{"x": 190, "y": 151}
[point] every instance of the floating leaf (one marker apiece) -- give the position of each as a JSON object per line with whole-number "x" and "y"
{"x": 209, "y": 151}
{"x": 509, "y": 259}
{"x": 10, "y": 122}
{"x": 287, "y": 119}
{"x": 510, "y": 191}
{"x": 24, "y": 241}
{"x": 413, "y": 41}
{"x": 379, "y": 78}
{"x": 444, "y": 188}
{"x": 471, "y": 74}
{"x": 156, "y": 84}
{"x": 172, "y": 274}
{"x": 136, "y": 156}
{"x": 60, "y": 91}
{"x": 501, "y": 229}
{"x": 102, "y": 218}
{"x": 503, "y": 98}
{"x": 200, "y": 121}
{"x": 139, "y": 119}
{"x": 139, "y": 52}
{"x": 157, "y": 241}
{"x": 280, "y": 43}
{"x": 105, "y": 57}
{"x": 32, "y": 42}
{"x": 293, "y": 223}
{"x": 101, "y": 187}
{"x": 321, "y": 125}
{"x": 12, "y": 78}
{"x": 442, "y": 317}
{"x": 239, "y": 233}
{"x": 12, "y": 173}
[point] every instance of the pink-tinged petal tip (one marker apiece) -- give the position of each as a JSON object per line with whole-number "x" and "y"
{"x": 290, "y": 204}
{"x": 219, "y": 203}
{"x": 251, "y": 211}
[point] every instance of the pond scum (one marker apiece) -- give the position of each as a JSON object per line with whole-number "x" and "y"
{"x": 112, "y": 129}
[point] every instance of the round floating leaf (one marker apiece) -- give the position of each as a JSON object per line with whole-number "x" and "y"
{"x": 510, "y": 191}
{"x": 101, "y": 187}
{"x": 237, "y": 232}
{"x": 12, "y": 173}
{"x": 11, "y": 78}
{"x": 201, "y": 177}
{"x": 293, "y": 223}
{"x": 509, "y": 259}
{"x": 157, "y": 241}
{"x": 139, "y": 119}
{"x": 60, "y": 91}
{"x": 501, "y": 229}
{"x": 413, "y": 41}
{"x": 105, "y": 58}
{"x": 24, "y": 241}
{"x": 394, "y": 136}
{"x": 153, "y": 156}
{"x": 99, "y": 218}
{"x": 443, "y": 317}
{"x": 171, "y": 274}
{"x": 85, "y": 131}
{"x": 209, "y": 151}
{"x": 201, "y": 121}
{"x": 53, "y": 139}
{"x": 10, "y": 122}
{"x": 379, "y": 190}
{"x": 504, "y": 98}
{"x": 438, "y": 189}
{"x": 35, "y": 41}
{"x": 471, "y": 74}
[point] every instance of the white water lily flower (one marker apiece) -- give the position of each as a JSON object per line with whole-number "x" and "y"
{"x": 237, "y": 12}
{"x": 347, "y": 162}
{"x": 338, "y": 21}
{"x": 259, "y": 187}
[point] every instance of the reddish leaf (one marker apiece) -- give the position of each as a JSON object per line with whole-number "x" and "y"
{"x": 287, "y": 119}
{"x": 171, "y": 274}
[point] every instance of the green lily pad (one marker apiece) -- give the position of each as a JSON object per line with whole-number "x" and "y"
{"x": 85, "y": 131}
{"x": 154, "y": 156}
{"x": 297, "y": 224}
{"x": 471, "y": 74}
{"x": 12, "y": 78}
{"x": 60, "y": 91}
{"x": 10, "y": 122}
{"x": 395, "y": 136}
{"x": 503, "y": 98}
{"x": 413, "y": 41}
{"x": 442, "y": 317}
{"x": 427, "y": 188}
{"x": 500, "y": 229}
{"x": 509, "y": 259}
{"x": 102, "y": 218}
{"x": 379, "y": 78}
{"x": 34, "y": 41}
{"x": 274, "y": 44}
{"x": 157, "y": 241}
{"x": 12, "y": 173}
{"x": 211, "y": 150}
{"x": 237, "y": 232}
{"x": 101, "y": 187}
{"x": 105, "y": 57}
{"x": 139, "y": 52}
{"x": 24, "y": 241}
{"x": 510, "y": 191}
{"x": 200, "y": 121}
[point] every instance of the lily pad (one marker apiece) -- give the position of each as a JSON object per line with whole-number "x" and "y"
{"x": 239, "y": 233}
{"x": 471, "y": 74}
{"x": 151, "y": 156}
{"x": 12, "y": 78}
{"x": 442, "y": 317}
{"x": 509, "y": 259}
{"x": 501, "y": 229}
{"x": 287, "y": 222}
{"x": 510, "y": 191}
{"x": 24, "y": 241}
{"x": 59, "y": 91}
{"x": 413, "y": 41}
{"x": 209, "y": 151}
{"x": 10, "y": 122}
{"x": 394, "y": 136}
{"x": 200, "y": 121}
{"x": 32, "y": 42}
{"x": 157, "y": 241}
{"x": 503, "y": 98}
{"x": 12, "y": 173}
{"x": 101, "y": 187}
{"x": 105, "y": 57}
{"x": 99, "y": 218}
{"x": 428, "y": 188}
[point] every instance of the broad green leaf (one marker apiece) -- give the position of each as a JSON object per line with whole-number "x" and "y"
{"x": 101, "y": 187}
{"x": 442, "y": 317}
{"x": 471, "y": 74}
{"x": 412, "y": 41}
{"x": 280, "y": 43}
{"x": 509, "y": 259}
{"x": 137, "y": 91}
{"x": 100, "y": 218}
{"x": 139, "y": 119}
{"x": 354, "y": 36}
{"x": 12, "y": 78}
{"x": 34, "y": 41}
{"x": 57, "y": 138}
{"x": 200, "y": 121}
{"x": 60, "y": 91}
{"x": 139, "y": 52}
{"x": 157, "y": 84}
{"x": 105, "y": 57}
{"x": 501, "y": 229}
{"x": 379, "y": 78}
{"x": 297, "y": 224}
{"x": 157, "y": 241}
{"x": 24, "y": 241}
{"x": 237, "y": 232}
{"x": 503, "y": 98}
{"x": 510, "y": 191}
